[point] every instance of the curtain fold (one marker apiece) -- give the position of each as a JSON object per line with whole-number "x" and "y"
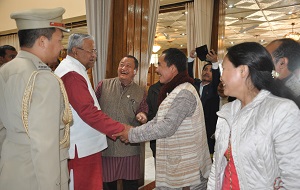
{"x": 98, "y": 19}
{"x": 11, "y": 39}
{"x": 191, "y": 31}
{"x": 153, "y": 16}
{"x": 201, "y": 13}
{"x": 152, "y": 22}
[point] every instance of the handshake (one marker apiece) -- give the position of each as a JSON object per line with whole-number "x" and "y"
{"x": 123, "y": 136}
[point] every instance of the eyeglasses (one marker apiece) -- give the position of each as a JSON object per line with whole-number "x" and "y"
{"x": 90, "y": 51}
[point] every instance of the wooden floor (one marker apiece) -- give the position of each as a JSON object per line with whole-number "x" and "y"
{"x": 149, "y": 186}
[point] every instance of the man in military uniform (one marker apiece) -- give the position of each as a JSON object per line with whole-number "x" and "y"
{"x": 34, "y": 107}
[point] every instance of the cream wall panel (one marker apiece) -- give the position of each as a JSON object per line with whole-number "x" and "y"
{"x": 74, "y": 8}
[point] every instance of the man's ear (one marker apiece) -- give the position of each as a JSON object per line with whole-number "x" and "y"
{"x": 41, "y": 41}
{"x": 74, "y": 50}
{"x": 283, "y": 62}
{"x": 134, "y": 71}
{"x": 174, "y": 68}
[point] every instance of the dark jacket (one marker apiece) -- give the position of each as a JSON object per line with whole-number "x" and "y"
{"x": 152, "y": 101}
{"x": 210, "y": 103}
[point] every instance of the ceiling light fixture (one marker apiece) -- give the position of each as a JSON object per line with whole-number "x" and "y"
{"x": 155, "y": 47}
{"x": 293, "y": 35}
{"x": 154, "y": 59}
{"x": 185, "y": 13}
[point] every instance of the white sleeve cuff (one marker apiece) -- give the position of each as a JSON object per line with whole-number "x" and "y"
{"x": 190, "y": 59}
{"x": 215, "y": 65}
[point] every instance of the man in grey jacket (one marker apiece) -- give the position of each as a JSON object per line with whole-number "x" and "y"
{"x": 125, "y": 101}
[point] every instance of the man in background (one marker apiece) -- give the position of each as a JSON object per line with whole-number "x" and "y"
{"x": 208, "y": 90}
{"x": 297, "y": 73}
{"x": 152, "y": 101}
{"x": 7, "y": 53}
{"x": 286, "y": 57}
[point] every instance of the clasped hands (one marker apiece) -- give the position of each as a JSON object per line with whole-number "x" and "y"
{"x": 123, "y": 136}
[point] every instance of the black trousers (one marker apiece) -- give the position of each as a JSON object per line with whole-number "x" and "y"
{"x": 127, "y": 185}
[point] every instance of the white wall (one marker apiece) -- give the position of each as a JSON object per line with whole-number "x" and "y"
{"x": 74, "y": 8}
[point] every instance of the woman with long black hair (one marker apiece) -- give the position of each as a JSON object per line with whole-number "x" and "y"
{"x": 257, "y": 135}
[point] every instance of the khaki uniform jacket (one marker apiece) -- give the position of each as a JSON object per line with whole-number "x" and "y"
{"x": 36, "y": 161}
{"x": 2, "y": 136}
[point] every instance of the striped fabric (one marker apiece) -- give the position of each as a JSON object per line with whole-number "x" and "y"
{"x": 182, "y": 156}
{"x": 201, "y": 186}
{"x": 115, "y": 168}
